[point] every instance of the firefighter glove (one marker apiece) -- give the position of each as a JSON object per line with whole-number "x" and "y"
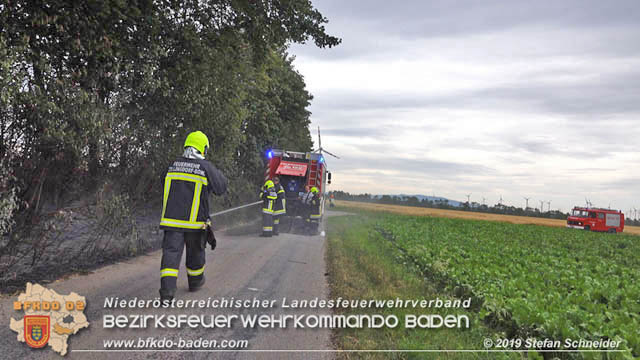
{"x": 211, "y": 237}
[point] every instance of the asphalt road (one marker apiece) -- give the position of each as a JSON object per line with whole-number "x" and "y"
{"x": 243, "y": 266}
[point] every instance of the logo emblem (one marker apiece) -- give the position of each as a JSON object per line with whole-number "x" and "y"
{"x": 36, "y": 330}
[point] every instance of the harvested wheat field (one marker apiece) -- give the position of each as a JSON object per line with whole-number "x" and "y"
{"x": 419, "y": 211}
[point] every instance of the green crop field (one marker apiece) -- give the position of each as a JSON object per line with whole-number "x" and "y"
{"x": 528, "y": 280}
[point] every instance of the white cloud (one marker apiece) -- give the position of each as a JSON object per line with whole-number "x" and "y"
{"x": 543, "y": 106}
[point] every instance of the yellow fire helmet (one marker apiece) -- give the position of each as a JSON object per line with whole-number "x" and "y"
{"x": 198, "y": 140}
{"x": 268, "y": 184}
{"x": 314, "y": 190}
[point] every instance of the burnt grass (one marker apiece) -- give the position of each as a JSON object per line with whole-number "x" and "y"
{"x": 53, "y": 268}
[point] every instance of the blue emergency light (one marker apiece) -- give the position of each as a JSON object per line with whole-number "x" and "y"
{"x": 269, "y": 154}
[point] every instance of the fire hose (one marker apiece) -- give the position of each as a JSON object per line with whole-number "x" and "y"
{"x": 234, "y": 209}
{"x": 211, "y": 238}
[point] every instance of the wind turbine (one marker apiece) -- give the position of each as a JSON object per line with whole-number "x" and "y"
{"x": 320, "y": 149}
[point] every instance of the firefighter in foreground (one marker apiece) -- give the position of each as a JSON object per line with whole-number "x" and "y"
{"x": 280, "y": 208}
{"x": 269, "y": 197}
{"x": 185, "y": 214}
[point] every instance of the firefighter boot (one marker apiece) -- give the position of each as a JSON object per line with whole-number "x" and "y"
{"x": 267, "y": 225}
{"x": 172, "y": 245}
{"x": 197, "y": 281}
{"x": 308, "y": 227}
{"x": 311, "y": 227}
{"x": 164, "y": 298}
{"x": 196, "y": 246}
{"x": 276, "y": 225}
{"x": 315, "y": 224}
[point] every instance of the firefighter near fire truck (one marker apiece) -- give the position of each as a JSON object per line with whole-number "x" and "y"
{"x": 314, "y": 211}
{"x": 280, "y": 208}
{"x": 300, "y": 180}
{"x": 296, "y": 177}
{"x": 269, "y": 197}
{"x": 305, "y": 201}
{"x": 188, "y": 182}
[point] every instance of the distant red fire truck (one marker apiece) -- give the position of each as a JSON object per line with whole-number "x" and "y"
{"x": 595, "y": 219}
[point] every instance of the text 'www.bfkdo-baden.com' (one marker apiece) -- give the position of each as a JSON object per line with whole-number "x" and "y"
{"x": 166, "y": 343}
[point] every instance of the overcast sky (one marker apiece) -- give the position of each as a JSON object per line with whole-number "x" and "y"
{"x": 516, "y": 99}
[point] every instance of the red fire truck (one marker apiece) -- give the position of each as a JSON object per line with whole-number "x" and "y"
{"x": 596, "y": 219}
{"x": 297, "y": 170}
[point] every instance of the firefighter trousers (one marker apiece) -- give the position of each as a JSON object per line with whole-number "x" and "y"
{"x": 172, "y": 246}
{"x": 276, "y": 224}
{"x": 311, "y": 226}
{"x": 310, "y": 222}
{"x": 267, "y": 224}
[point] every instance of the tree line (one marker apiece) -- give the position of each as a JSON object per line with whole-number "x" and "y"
{"x": 444, "y": 204}
{"x": 98, "y": 96}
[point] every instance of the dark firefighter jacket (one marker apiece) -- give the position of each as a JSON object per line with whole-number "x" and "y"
{"x": 269, "y": 197}
{"x": 187, "y": 185}
{"x": 280, "y": 206}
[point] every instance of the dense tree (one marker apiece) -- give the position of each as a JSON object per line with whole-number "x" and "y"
{"x": 106, "y": 90}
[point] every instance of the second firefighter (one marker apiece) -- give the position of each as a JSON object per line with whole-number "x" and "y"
{"x": 280, "y": 208}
